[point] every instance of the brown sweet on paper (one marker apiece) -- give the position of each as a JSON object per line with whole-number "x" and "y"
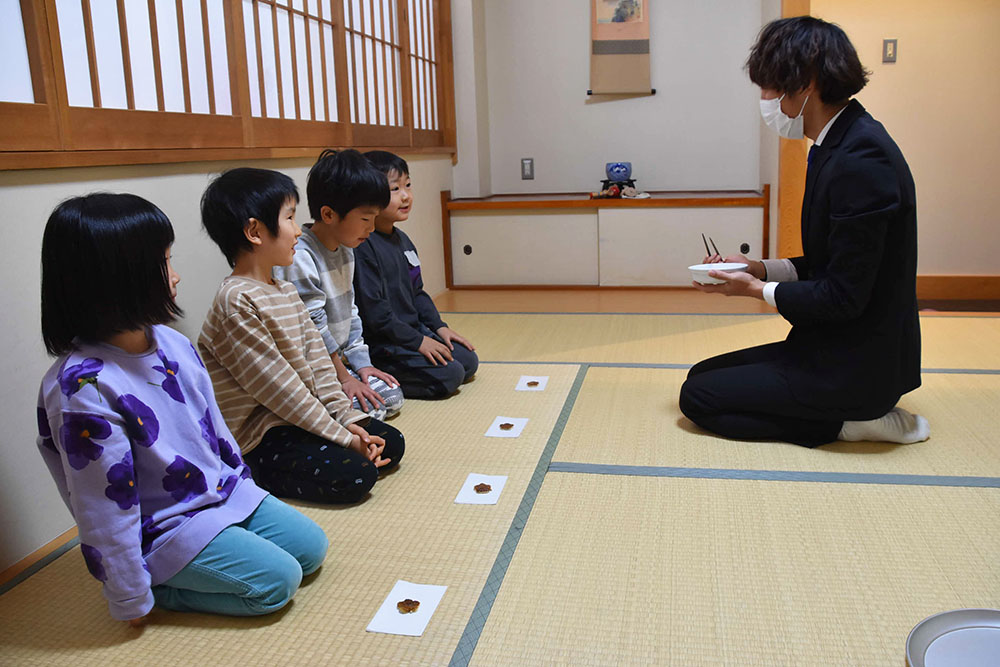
{"x": 533, "y": 383}
{"x": 506, "y": 426}
{"x": 407, "y": 606}
{"x": 482, "y": 488}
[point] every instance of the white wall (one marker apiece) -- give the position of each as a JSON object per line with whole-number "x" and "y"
{"x": 938, "y": 102}
{"x": 699, "y": 132}
{"x": 31, "y": 513}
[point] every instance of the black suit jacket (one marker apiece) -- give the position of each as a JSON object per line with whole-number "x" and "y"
{"x": 855, "y": 340}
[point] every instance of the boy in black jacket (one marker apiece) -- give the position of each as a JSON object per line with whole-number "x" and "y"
{"x": 406, "y": 336}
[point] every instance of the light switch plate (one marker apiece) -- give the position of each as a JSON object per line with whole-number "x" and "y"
{"x": 527, "y": 169}
{"x": 888, "y": 50}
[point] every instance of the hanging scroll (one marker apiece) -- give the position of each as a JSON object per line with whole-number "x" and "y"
{"x": 619, "y": 52}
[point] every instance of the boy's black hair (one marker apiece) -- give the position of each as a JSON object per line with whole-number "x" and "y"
{"x": 387, "y": 162}
{"x": 790, "y": 53}
{"x": 238, "y": 195}
{"x": 344, "y": 180}
{"x": 104, "y": 269}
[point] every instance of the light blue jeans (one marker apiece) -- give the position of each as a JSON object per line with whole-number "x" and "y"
{"x": 251, "y": 568}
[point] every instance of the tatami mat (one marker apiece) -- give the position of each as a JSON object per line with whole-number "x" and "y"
{"x": 948, "y": 342}
{"x": 409, "y": 528}
{"x": 961, "y": 409}
{"x": 641, "y": 571}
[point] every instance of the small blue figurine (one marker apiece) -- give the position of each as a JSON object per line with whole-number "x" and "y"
{"x": 618, "y": 171}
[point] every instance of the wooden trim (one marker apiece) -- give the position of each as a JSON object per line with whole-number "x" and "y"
{"x": 572, "y": 287}
{"x": 958, "y": 287}
{"x": 126, "y": 55}
{"x": 387, "y": 135}
{"x": 154, "y": 45}
{"x": 88, "y": 35}
{"x": 765, "y": 252}
{"x": 239, "y": 69}
{"x": 446, "y": 236}
{"x": 791, "y": 189}
{"x": 446, "y": 74}
{"x": 293, "y": 53}
{"x": 39, "y": 554}
{"x": 207, "y": 39}
{"x": 405, "y": 73}
{"x": 792, "y": 155}
{"x": 277, "y": 61}
{"x": 309, "y": 59}
{"x": 652, "y": 202}
{"x": 258, "y": 42}
{"x": 97, "y": 129}
{"x": 341, "y": 74}
{"x": 22, "y": 160}
{"x": 182, "y": 47}
{"x": 30, "y": 24}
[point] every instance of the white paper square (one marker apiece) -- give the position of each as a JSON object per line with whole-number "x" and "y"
{"x": 494, "y": 430}
{"x": 388, "y": 620}
{"x": 522, "y": 384}
{"x": 467, "y": 494}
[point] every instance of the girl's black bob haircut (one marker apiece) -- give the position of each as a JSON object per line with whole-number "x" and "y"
{"x": 791, "y": 53}
{"x": 388, "y": 163}
{"x": 344, "y": 180}
{"x": 104, "y": 269}
{"x": 238, "y": 195}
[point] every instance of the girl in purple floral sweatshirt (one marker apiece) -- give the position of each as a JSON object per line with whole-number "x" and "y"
{"x": 130, "y": 430}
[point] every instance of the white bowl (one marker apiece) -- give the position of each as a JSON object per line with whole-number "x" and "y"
{"x": 699, "y": 272}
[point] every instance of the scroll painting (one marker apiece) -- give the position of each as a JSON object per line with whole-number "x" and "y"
{"x": 619, "y": 52}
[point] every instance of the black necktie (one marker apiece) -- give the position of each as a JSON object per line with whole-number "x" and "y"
{"x": 809, "y": 159}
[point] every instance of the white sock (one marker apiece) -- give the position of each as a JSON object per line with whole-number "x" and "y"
{"x": 897, "y": 425}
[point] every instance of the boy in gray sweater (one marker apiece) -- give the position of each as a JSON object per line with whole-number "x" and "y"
{"x": 344, "y": 192}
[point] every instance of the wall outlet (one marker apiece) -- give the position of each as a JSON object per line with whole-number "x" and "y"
{"x": 527, "y": 168}
{"x": 888, "y": 50}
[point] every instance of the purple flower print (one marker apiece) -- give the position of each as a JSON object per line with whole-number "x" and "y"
{"x": 184, "y": 480}
{"x": 228, "y": 454}
{"x": 245, "y": 473}
{"x": 170, "y": 383}
{"x": 141, "y": 424}
{"x": 78, "y": 433}
{"x": 92, "y": 557}
{"x": 208, "y": 431}
{"x": 121, "y": 483}
{"x": 219, "y": 446}
{"x": 150, "y": 531}
{"x": 74, "y": 378}
{"x": 197, "y": 356}
{"x": 226, "y": 486}
{"x": 44, "y": 432}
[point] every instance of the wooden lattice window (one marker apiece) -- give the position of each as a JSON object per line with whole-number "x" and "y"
{"x": 222, "y": 78}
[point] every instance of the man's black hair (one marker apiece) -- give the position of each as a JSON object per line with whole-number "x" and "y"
{"x": 790, "y": 53}
{"x": 344, "y": 180}
{"x": 238, "y": 195}
{"x": 104, "y": 269}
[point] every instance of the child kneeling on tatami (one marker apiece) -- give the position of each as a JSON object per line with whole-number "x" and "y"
{"x": 345, "y": 193}
{"x": 274, "y": 379}
{"x": 131, "y": 433}
{"x": 405, "y": 333}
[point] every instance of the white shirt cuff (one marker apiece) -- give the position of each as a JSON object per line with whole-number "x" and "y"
{"x": 769, "y": 294}
{"x": 780, "y": 270}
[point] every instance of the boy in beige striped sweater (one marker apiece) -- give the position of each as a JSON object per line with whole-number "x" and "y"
{"x": 274, "y": 381}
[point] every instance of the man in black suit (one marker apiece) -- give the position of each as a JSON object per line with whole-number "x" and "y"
{"x": 854, "y": 347}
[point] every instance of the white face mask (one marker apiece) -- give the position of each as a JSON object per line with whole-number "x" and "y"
{"x": 775, "y": 118}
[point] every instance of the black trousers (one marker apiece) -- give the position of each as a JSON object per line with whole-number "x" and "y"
{"x": 290, "y": 462}
{"x": 744, "y": 395}
{"x": 419, "y": 378}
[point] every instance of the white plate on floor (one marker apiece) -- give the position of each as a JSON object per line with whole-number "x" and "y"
{"x": 966, "y": 637}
